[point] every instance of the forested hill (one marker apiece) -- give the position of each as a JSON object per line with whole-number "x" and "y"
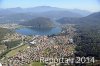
{"x": 88, "y": 36}
{"x": 39, "y": 22}
{"x": 93, "y": 19}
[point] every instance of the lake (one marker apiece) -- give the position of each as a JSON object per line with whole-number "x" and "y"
{"x": 38, "y": 31}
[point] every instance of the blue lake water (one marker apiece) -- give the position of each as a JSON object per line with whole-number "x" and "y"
{"x": 34, "y": 31}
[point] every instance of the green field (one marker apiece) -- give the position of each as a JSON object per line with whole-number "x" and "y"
{"x": 15, "y": 51}
{"x": 35, "y": 64}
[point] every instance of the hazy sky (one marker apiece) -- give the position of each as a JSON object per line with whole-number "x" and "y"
{"x": 91, "y": 5}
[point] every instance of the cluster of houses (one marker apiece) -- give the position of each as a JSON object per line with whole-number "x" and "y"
{"x": 42, "y": 46}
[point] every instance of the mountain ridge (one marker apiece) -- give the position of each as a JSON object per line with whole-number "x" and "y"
{"x": 11, "y": 15}
{"x": 92, "y": 19}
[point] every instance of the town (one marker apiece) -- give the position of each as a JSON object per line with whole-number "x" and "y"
{"x": 37, "y": 46}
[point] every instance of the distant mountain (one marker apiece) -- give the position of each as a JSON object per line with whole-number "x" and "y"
{"x": 40, "y": 22}
{"x": 67, "y": 20}
{"x": 18, "y": 15}
{"x": 56, "y": 14}
{"x": 82, "y": 12}
{"x": 94, "y": 15}
{"x": 93, "y": 19}
{"x": 40, "y": 9}
{"x": 15, "y": 18}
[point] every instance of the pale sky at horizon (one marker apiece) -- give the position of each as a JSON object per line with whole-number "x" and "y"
{"x": 90, "y": 5}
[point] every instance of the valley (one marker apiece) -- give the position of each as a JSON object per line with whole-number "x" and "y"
{"x": 28, "y": 35}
